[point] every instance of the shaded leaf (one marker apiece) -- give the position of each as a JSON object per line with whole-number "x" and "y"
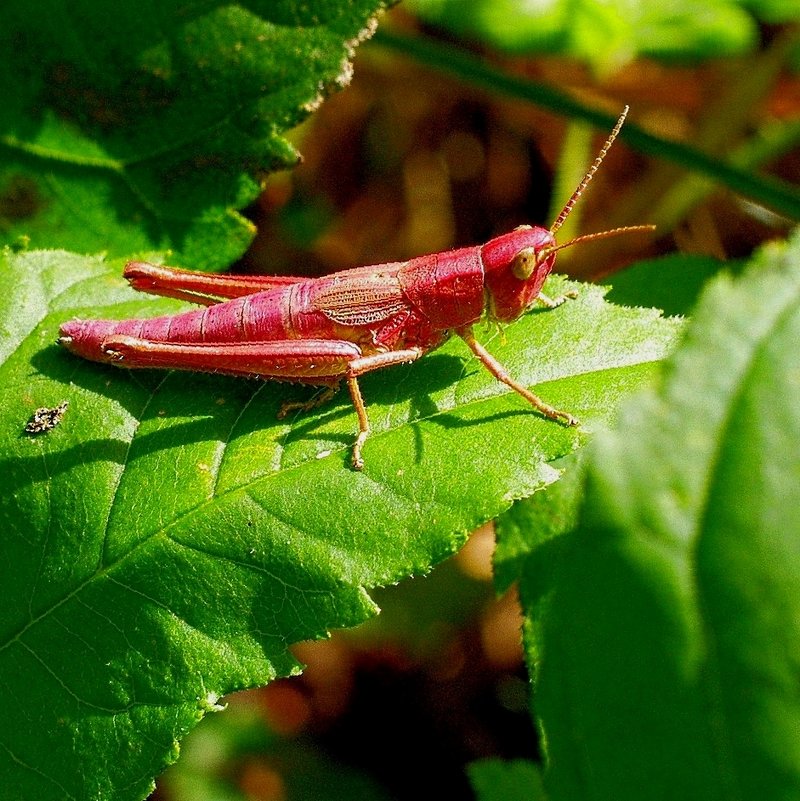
{"x": 171, "y": 538}
{"x": 532, "y": 521}
{"x": 515, "y": 780}
{"x": 671, "y": 283}
{"x": 663, "y": 631}
{"x": 149, "y": 128}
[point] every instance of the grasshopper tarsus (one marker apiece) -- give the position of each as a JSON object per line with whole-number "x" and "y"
{"x": 567, "y": 419}
{"x": 545, "y": 409}
{"x": 357, "y": 459}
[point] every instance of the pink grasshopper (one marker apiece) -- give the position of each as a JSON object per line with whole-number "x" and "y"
{"x": 319, "y": 331}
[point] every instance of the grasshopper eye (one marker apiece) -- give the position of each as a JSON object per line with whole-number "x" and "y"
{"x": 524, "y": 264}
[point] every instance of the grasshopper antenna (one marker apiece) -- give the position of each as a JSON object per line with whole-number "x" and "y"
{"x": 625, "y": 229}
{"x": 570, "y": 204}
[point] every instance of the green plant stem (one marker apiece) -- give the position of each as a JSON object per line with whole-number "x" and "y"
{"x": 577, "y": 150}
{"x": 667, "y": 197}
{"x": 777, "y": 195}
{"x": 770, "y": 142}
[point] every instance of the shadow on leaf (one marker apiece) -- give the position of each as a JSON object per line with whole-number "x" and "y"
{"x": 214, "y": 407}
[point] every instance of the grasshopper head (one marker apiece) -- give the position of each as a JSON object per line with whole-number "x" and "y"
{"x": 516, "y": 265}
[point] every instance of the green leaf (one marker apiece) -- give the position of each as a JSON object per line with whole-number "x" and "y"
{"x": 533, "y": 521}
{"x": 515, "y": 780}
{"x": 149, "y": 128}
{"x": 663, "y": 632}
{"x": 605, "y": 35}
{"x": 671, "y": 283}
{"x": 170, "y": 538}
{"x": 773, "y": 11}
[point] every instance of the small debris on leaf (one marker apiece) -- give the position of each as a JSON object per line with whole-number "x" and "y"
{"x": 46, "y": 419}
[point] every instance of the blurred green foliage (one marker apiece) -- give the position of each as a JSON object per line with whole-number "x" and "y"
{"x": 609, "y": 35}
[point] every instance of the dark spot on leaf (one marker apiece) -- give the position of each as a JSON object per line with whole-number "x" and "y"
{"x": 76, "y": 96}
{"x": 19, "y": 200}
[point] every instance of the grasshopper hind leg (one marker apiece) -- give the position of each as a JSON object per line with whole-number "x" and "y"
{"x": 327, "y": 393}
{"x": 287, "y": 407}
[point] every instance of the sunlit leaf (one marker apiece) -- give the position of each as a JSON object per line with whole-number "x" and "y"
{"x": 170, "y": 537}
{"x": 516, "y": 780}
{"x": 150, "y": 126}
{"x": 663, "y": 631}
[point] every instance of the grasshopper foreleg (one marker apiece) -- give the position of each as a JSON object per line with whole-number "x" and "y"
{"x": 554, "y": 303}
